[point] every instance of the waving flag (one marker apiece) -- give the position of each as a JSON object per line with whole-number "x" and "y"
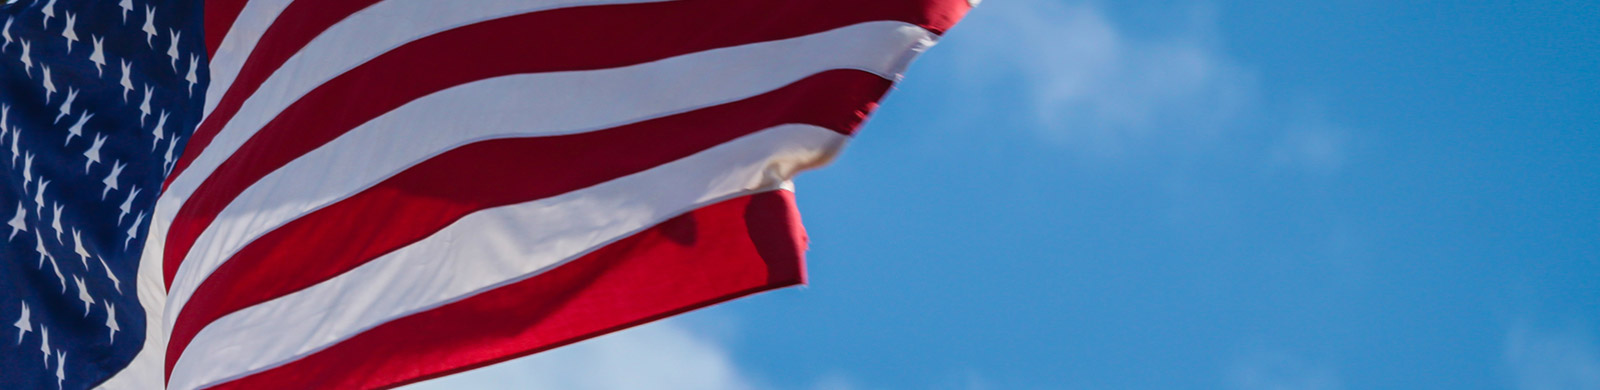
{"x": 365, "y": 193}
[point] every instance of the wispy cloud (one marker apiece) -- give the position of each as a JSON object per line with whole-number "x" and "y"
{"x": 1315, "y": 146}
{"x": 835, "y": 381}
{"x": 1088, "y": 81}
{"x": 664, "y": 355}
{"x": 1277, "y": 370}
{"x": 958, "y": 380}
{"x": 1545, "y": 359}
{"x": 1093, "y": 85}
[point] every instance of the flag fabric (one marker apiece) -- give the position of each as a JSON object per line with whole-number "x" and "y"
{"x": 97, "y": 99}
{"x": 368, "y": 193}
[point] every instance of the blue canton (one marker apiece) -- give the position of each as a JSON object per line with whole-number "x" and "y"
{"x": 97, "y": 99}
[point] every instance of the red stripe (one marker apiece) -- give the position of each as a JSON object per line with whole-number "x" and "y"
{"x": 220, "y": 15}
{"x": 291, "y": 30}
{"x": 601, "y": 37}
{"x": 714, "y": 254}
{"x": 576, "y": 38}
{"x": 419, "y": 201}
{"x": 294, "y": 27}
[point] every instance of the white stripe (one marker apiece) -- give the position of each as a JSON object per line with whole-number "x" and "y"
{"x": 362, "y": 36}
{"x": 237, "y": 45}
{"x": 146, "y": 369}
{"x": 532, "y": 105}
{"x": 493, "y": 248}
{"x": 381, "y": 27}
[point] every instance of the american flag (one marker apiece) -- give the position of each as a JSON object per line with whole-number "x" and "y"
{"x": 368, "y": 193}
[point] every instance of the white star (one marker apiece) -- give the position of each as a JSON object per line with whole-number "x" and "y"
{"x": 172, "y": 51}
{"x": 144, "y": 108}
{"x": 149, "y": 25}
{"x": 77, "y": 128}
{"x": 57, "y": 268}
{"x": 61, "y": 368}
{"x": 27, "y": 60}
{"x": 27, "y": 170}
{"x": 127, "y": 5}
{"x": 5, "y": 117}
{"x": 111, "y": 179}
{"x": 77, "y": 247}
{"x": 49, "y": 84}
{"x": 24, "y": 324}
{"x": 93, "y": 154}
{"x": 83, "y": 295}
{"x": 55, "y": 221}
{"x": 99, "y": 56}
{"x": 127, "y": 204}
{"x": 127, "y": 83}
{"x": 44, "y": 343}
{"x": 38, "y": 196}
{"x": 7, "y": 33}
{"x": 49, "y": 11}
{"x": 66, "y": 105}
{"x": 159, "y": 131}
{"x": 68, "y": 33}
{"x": 111, "y": 321}
{"x": 44, "y": 253}
{"x": 116, "y": 284}
{"x": 169, "y": 157}
{"x": 19, "y": 222}
{"x": 194, "y": 62}
{"x": 133, "y": 231}
{"x": 15, "y": 133}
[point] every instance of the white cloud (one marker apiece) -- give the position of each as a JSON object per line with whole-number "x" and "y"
{"x": 1094, "y": 86}
{"x": 968, "y": 379}
{"x": 1277, "y": 370}
{"x": 975, "y": 381}
{"x": 1541, "y": 359}
{"x": 663, "y": 355}
{"x": 1311, "y": 146}
{"x": 1092, "y": 82}
{"x": 835, "y": 381}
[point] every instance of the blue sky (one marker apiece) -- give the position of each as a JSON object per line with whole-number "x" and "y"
{"x": 1250, "y": 195}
